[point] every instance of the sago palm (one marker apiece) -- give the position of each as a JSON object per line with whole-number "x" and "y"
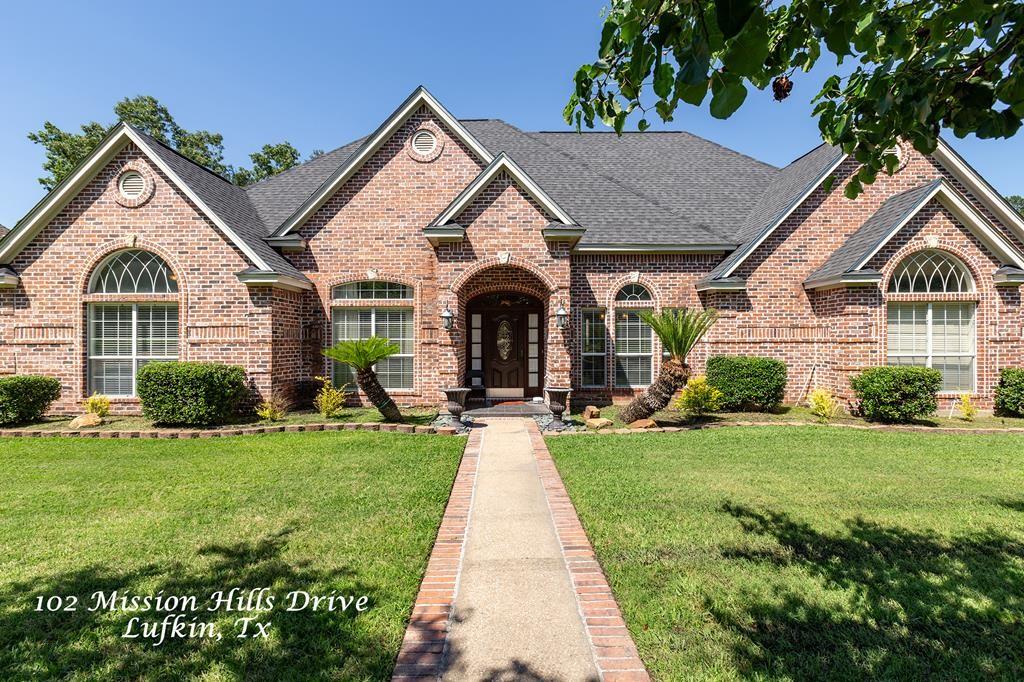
{"x": 679, "y": 331}
{"x": 361, "y": 355}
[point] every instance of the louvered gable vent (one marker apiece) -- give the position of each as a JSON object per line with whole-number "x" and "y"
{"x": 424, "y": 143}
{"x": 132, "y": 185}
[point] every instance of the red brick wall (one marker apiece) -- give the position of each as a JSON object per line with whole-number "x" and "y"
{"x": 43, "y": 321}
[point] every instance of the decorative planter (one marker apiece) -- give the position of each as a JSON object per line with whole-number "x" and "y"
{"x": 456, "y": 401}
{"x": 557, "y": 399}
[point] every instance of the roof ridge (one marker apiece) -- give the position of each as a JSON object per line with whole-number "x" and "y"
{"x": 179, "y": 154}
{"x": 616, "y": 181}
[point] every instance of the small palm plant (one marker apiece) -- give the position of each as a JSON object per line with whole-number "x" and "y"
{"x": 679, "y": 331}
{"x": 361, "y": 355}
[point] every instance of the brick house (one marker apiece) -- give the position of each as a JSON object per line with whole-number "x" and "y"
{"x": 538, "y": 249}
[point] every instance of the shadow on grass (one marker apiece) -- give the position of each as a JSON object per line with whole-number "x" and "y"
{"x": 88, "y": 645}
{"x": 921, "y": 606}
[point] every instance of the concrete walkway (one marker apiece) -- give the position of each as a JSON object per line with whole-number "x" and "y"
{"x": 516, "y": 616}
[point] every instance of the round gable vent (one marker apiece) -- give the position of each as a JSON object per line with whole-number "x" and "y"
{"x": 424, "y": 143}
{"x": 132, "y": 185}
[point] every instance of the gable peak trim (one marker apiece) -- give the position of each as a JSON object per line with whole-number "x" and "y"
{"x": 418, "y": 98}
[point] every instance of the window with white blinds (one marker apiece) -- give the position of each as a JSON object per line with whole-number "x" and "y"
{"x": 125, "y": 336}
{"x": 938, "y": 335}
{"x": 394, "y": 324}
{"x": 633, "y": 350}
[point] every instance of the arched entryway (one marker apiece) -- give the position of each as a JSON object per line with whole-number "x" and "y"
{"x": 505, "y": 349}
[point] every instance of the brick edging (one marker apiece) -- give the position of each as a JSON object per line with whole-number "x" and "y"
{"x": 615, "y": 653}
{"x": 424, "y": 645}
{"x": 221, "y": 433}
{"x": 906, "y": 428}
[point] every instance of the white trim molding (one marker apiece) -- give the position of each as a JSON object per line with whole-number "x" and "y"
{"x": 654, "y": 248}
{"x": 419, "y": 97}
{"x": 966, "y": 213}
{"x": 444, "y": 234}
{"x": 730, "y": 284}
{"x": 260, "y": 278}
{"x": 502, "y": 162}
{"x": 863, "y": 278}
{"x": 8, "y": 278}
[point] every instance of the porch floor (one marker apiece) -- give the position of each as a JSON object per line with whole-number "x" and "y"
{"x": 509, "y": 409}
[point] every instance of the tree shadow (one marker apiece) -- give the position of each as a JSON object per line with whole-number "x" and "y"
{"x": 88, "y": 644}
{"x": 914, "y": 605}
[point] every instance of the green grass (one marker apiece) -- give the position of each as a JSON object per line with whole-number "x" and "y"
{"x": 795, "y": 413}
{"x": 352, "y": 512}
{"x": 413, "y": 415}
{"x": 810, "y": 553}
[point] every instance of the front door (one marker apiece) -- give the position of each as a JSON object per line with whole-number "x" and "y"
{"x": 504, "y": 353}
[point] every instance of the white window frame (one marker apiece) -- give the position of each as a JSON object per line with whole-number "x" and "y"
{"x": 649, "y": 355}
{"x": 929, "y": 340}
{"x": 591, "y": 354}
{"x": 134, "y": 358}
{"x": 373, "y": 332}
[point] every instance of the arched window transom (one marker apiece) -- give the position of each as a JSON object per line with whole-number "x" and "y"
{"x": 931, "y": 272}
{"x": 372, "y": 290}
{"x": 134, "y": 272}
{"x": 632, "y": 293}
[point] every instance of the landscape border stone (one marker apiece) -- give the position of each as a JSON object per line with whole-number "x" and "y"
{"x": 222, "y": 433}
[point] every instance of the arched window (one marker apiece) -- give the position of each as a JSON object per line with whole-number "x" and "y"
{"x": 931, "y": 272}
{"x": 125, "y": 334}
{"x": 352, "y": 320}
{"x": 935, "y": 333}
{"x": 372, "y": 290}
{"x": 133, "y": 272}
{"x": 632, "y": 293}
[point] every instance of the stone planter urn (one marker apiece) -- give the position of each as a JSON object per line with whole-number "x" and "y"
{"x": 456, "y": 401}
{"x": 557, "y": 401}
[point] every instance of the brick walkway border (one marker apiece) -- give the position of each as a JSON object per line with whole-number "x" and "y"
{"x": 423, "y": 648}
{"x": 615, "y": 653}
{"x": 221, "y": 433}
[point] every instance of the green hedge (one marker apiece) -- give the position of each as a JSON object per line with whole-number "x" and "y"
{"x": 1010, "y": 391}
{"x": 192, "y": 393}
{"x": 25, "y": 399}
{"x": 748, "y": 383}
{"x": 897, "y": 394}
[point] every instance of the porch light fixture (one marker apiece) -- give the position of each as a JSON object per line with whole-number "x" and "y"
{"x": 447, "y": 318}
{"x": 561, "y": 316}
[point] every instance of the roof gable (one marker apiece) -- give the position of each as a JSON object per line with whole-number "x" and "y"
{"x": 501, "y": 163}
{"x": 419, "y": 98}
{"x": 847, "y": 263}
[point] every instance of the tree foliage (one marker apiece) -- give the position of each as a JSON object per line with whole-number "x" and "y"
{"x": 1017, "y": 201}
{"x": 362, "y": 355}
{"x": 919, "y": 66}
{"x": 65, "y": 149}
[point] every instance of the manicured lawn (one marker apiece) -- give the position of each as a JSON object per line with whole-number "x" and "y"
{"x": 413, "y": 415}
{"x": 351, "y": 512}
{"x": 794, "y": 413}
{"x": 810, "y": 553}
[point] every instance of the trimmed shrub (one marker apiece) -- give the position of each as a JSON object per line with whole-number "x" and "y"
{"x": 25, "y": 398}
{"x": 824, "y": 405}
{"x": 98, "y": 405}
{"x": 897, "y": 394}
{"x": 699, "y": 398}
{"x": 191, "y": 393}
{"x": 1010, "y": 391}
{"x": 748, "y": 383}
{"x": 330, "y": 400}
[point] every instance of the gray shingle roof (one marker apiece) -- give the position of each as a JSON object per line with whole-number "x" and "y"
{"x": 611, "y": 209}
{"x": 876, "y": 228}
{"x": 777, "y": 198}
{"x": 228, "y": 201}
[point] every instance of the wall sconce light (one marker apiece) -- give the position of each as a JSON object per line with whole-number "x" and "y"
{"x": 561, "y": 316}
{"x": 447, "y": 318}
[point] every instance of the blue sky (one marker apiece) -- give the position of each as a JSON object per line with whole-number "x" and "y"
{"x": 322, "y": 74}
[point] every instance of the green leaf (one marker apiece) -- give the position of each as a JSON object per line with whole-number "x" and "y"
{"x": 643, "y": 125}
{"x": 749, "y": 50}
{"x": 728, "y": 97}
{"x": 663, "y": 78}
{"x": 732, "y": 15}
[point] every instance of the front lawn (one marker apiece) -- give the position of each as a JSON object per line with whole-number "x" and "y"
{"x": 353, "y": 513}
{"x": 810, "y": 553}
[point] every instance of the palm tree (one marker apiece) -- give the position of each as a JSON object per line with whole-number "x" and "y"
{"x": 361, "y": 355}
{"x": 679, "y": 331}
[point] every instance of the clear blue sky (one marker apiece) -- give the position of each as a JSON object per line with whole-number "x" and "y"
{"x": 322, "y": 74}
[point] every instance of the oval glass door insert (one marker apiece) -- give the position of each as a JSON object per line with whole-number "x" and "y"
{"x": 505, "y": 340}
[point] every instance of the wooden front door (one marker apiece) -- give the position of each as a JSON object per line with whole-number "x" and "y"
{"x": 505, "y": 348}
